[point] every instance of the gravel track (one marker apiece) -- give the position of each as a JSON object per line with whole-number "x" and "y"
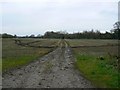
{"x": 54, "y": 70}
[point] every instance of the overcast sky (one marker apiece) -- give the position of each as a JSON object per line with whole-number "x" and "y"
{"x": 25, "y": 17}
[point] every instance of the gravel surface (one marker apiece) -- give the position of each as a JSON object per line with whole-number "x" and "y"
{"x": 54, "y": 70}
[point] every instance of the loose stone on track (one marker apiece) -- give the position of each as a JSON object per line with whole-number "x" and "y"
{"x": 54, "y": 70}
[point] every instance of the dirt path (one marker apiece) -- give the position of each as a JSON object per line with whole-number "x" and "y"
{"x": 54, "y": 70}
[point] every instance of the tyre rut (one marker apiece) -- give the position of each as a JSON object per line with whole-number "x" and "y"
{"x": 54, "y": 70}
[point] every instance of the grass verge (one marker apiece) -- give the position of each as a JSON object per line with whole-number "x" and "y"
{"x": 100, "y": 65}
{"x": 98, "y": 71}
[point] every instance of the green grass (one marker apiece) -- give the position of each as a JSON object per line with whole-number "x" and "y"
{"x": 98, "y": 64}
{"x": 98, "y": 71}
{"x": 14, "y": 56}
{"x": 12, "y": 62}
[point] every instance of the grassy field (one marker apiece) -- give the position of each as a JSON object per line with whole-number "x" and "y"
{"x": 45, "y": 42}
{"x": 41, "y": 42}
{"x": 98, "y": 64}
{"x": 14, "y": 56}
{"x": 91, "y": 42}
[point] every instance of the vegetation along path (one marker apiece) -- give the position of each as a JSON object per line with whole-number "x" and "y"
{"x": 54, "y": 70}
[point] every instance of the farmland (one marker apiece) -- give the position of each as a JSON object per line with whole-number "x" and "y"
{"x": 91, "y": 42}
{"x": 14, "y": 55}
{"x": 96, "y": 60}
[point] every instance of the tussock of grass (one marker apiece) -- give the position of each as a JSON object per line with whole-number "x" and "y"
{"x": 47, "y": 66}
{"x": 97, "y": 71}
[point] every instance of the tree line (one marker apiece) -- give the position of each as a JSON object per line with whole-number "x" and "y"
{"x": 113, "y": 34}
{"x": 84, "y": 35}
